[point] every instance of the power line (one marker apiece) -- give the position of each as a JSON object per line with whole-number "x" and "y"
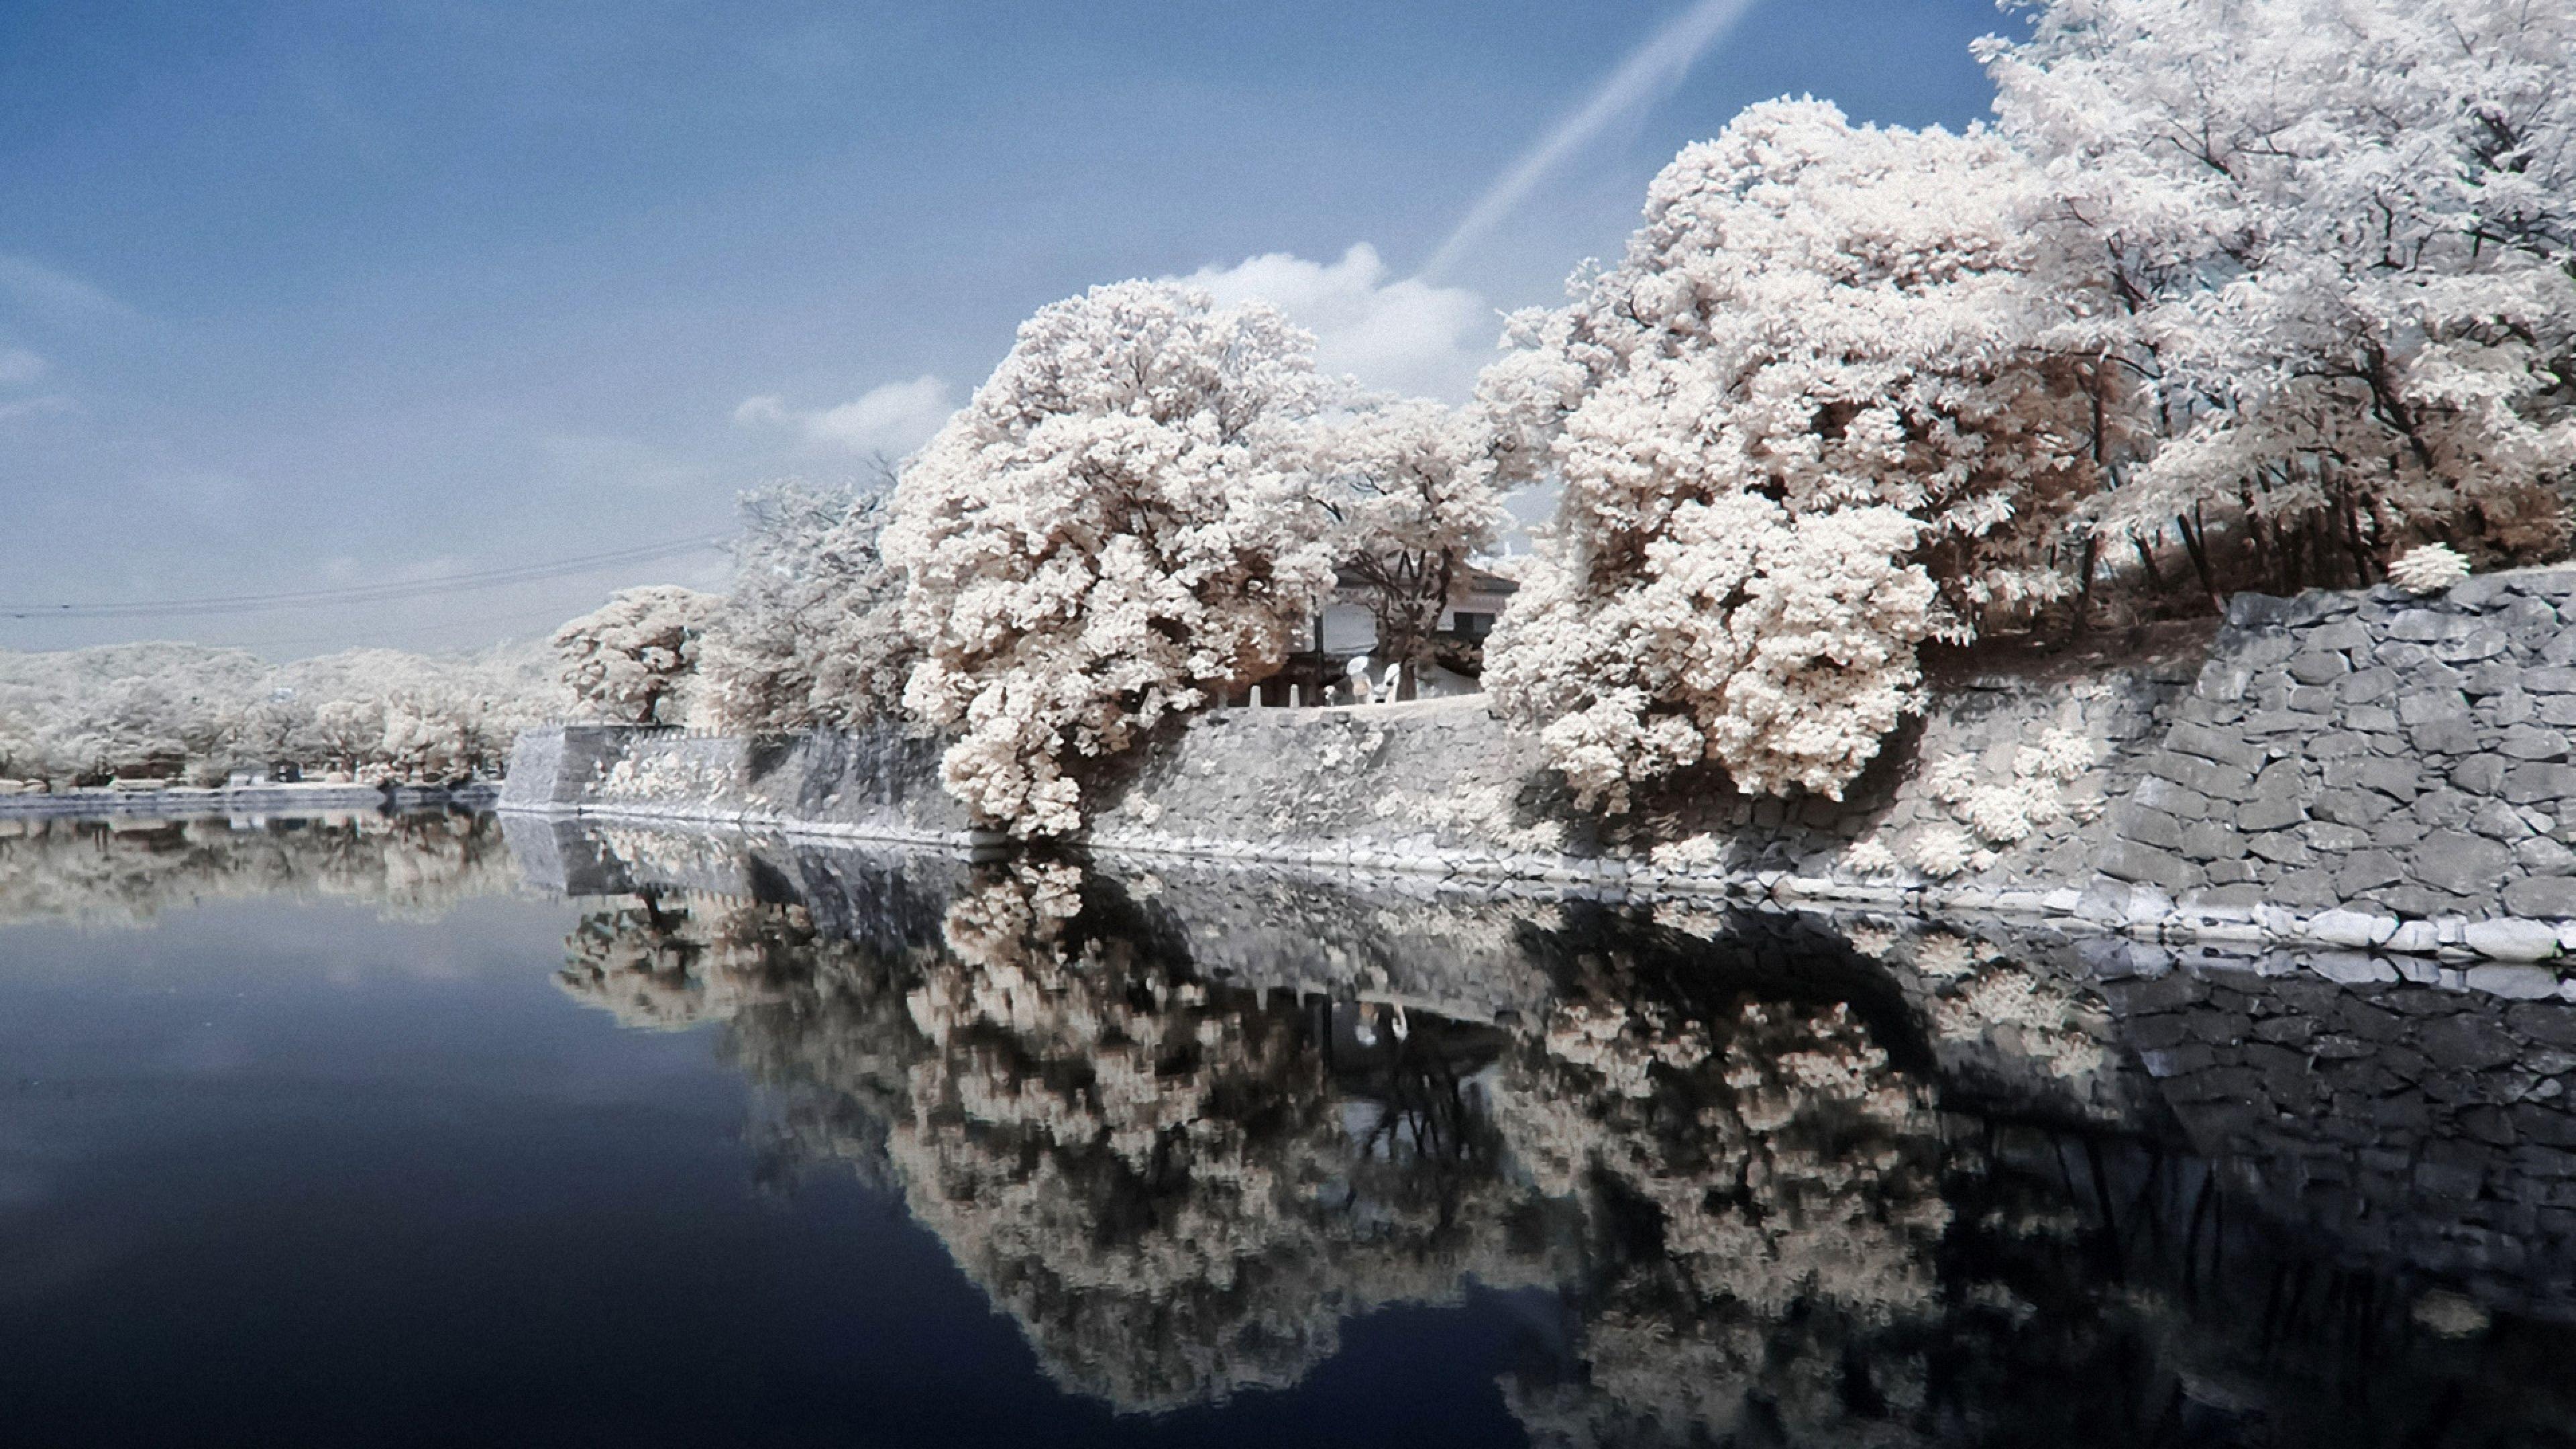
{"x": 364, "y": 593}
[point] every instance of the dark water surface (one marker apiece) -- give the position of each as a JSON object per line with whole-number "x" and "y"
{"x": 367, "y": 1132}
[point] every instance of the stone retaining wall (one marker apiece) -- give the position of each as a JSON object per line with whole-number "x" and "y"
{"x": 2370, "y": 770}
{"x": 2342, "y": 771}
{"x": 879, "y": 784}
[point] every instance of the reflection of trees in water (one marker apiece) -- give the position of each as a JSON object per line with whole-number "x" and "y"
{"x": 1155, "y": 1178}
{"x": 413, "y": 867}
{"x": 1762, "y": 1189}
{"x": 1765, "y": 1215}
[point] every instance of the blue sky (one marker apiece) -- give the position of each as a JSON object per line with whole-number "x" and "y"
{"x": 300, "y": 295}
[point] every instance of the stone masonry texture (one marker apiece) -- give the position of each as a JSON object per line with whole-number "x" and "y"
{"x": 2359, "y": 770}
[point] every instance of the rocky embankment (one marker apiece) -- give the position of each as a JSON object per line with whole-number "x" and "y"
{"x": 2363, "y": 772}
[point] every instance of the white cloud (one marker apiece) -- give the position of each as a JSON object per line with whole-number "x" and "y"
{"x": 893, "y": 418}
{"x": 19, "y": 367}
{"x": 1404, "y": 334}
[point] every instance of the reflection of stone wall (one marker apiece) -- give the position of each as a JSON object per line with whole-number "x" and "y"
{"x": 2400, "y": 1122}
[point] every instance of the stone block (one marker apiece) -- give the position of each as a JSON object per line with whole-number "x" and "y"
{"x": 2495, "y": 676}
{"x": 2365, "y": 870}
{"x": 2512, "y": 940}
{"x": 2550, "y": 679}
{"x": 2478, "y": 592}
{"x": 2282, "y": 780}
{"x": 2217, "y": 781}
{"x": 2205, "y": 842}
{"x": 2503, "y": 711}
{"x": 2420, "y": 902}
{"x": 2399, "y": 780}
{"x": 2550, "y": 897}
{"x": 2444, "y": 737}
{"x": 2532, "y": 742}
{"x": 2357, "y": 930}
{"x": 2335, "y": 744}
{"x": 2220, "y": 746}
{"x": 2318, "y": 666}
{"x": 2279, "y": 846}
{"x": 2461, "y": 863}
{"x": 2547, "y": 1024}
{"x": 2362, "y": 808}
{"x": 2414, "y": 937}
{"x": 2261, "y": 814}
{"x": 2179, "y": 801}
{"x": 2134, "y": 861}
{"x": 2444, "y": 809}
{"x": 2371, "y": 719}
{"x": 2479, "y": 774}
{"x": 2423, "y": 706}
{"x": 2484, "y": 644}
{"x": 2542, "y": 856}
{"x": 2532, "y": 783}
{"x": 2466, "y": 1041}
{"x": 2499, "y": 821}
{"x": 2150, "y": 827}
{"x": 2369, "y": 686}
{"x": 2423, "y": 626}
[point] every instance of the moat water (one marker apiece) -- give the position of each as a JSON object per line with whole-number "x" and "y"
{"x": 417, "y": 1131}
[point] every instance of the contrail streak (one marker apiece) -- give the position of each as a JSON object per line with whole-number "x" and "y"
{"x": 1643, "y": 78}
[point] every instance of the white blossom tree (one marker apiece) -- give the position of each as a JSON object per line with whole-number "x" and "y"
{"x": 1823, "y": 410}
{"x": 1409, "y": 486}
{"x": 2341, "y": 233}
{"x": 634, "y": 656}
{"x": 1111, "y": 531}
{"x": 812, "y": 633}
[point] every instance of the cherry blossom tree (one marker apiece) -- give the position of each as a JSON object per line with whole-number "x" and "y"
{"x": 812, "y": 633}
{"x": 2340, "y": 232}
{"x": 1113, "y": 530}
{"x": 1825, "y": 408}
{"x": 1409, "y": 486}
{"x": 633, "y": 657}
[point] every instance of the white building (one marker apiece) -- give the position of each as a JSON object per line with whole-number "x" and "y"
{"x": 1348, "y": 631}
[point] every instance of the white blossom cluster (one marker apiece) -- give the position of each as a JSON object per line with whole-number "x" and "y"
{"x": 2427, "y": 570}
{"x": 2338, "y": 232}
{"x": 2291, "y": 276}
{"x": 812, "y": 632}
{"x": 1113, "y": 529}
{"x": 1810, "y": 385}
{"x": 635, "y": 657}
{"x": 1989, "y": 815}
